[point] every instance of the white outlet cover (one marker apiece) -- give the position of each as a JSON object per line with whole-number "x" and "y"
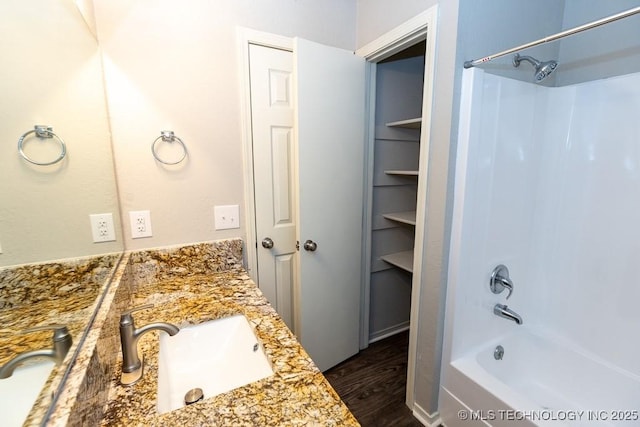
{"x": 226, "y": 217}
{"x": 102, "y": 228}
{"x": 140, "y": 222}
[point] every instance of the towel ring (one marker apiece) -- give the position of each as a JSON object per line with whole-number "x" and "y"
{"x": 42, "y": 131}
{"x": 168, "y": 136}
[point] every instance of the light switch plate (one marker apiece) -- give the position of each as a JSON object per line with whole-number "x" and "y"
{"x": 102, "y": 228}
{"x": 227, "y": 216}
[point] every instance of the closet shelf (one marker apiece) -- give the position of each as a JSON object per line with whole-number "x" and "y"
{"x": 403, "y": 260}
{"x": 408, "y": 217}
{"x": 402, "y": 172}
{"x": 408, "y": 124}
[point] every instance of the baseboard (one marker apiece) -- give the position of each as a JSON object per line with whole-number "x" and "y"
{"x": 387, "y": 332}
{"x": 429, "y": 420}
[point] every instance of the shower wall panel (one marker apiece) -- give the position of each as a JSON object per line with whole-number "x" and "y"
{"x": 552, "y": 190}
{"x": 591, "y": 242}
{"x": 499, "y": 204}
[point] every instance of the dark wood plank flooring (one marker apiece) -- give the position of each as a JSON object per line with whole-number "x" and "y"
{"x": 372, "y": 383}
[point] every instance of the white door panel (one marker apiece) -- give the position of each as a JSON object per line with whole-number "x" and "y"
{"x": 330, "y": 112}
{"x": 285, "y": 276}
{"x": 272, "y": 119}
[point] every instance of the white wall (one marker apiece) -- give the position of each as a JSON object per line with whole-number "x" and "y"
{"x": 583, "y": 57}
{"x": 174, "y": 65}
{"x": 52, "y": 75}
{"x": 489, "y": 27}
{"x": 602, "y": 52}
{"x": 376, "y": 17}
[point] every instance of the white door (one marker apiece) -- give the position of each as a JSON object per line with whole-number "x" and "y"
{"x": 330, "y": 112}
{"x": 329, "y": 90}
{"x": 272, "y": 118}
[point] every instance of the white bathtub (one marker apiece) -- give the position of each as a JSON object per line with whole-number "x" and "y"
{"x": 541, "y": 380}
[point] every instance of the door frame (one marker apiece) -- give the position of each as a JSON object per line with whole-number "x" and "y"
{"x": 418, "y": 28}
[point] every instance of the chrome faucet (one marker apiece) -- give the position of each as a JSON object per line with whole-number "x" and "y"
{"x": 502, "y": 310}
{"x": 61, "y": 344}
{"x": 500, "y": 280}
{"x": 129, "y": 336}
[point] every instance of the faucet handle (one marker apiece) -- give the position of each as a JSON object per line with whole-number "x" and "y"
{"x": 125, "y": 316}
{"x": 60, "y": 332}
{"x": 138, "y": 308}
{"x": 500, "y": 280}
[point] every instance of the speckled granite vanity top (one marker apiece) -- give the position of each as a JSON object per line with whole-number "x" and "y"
{"x": 296, "y": 394}
{"x": 62, "y": 292}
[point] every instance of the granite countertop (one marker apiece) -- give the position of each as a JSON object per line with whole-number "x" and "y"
{"x": 296, "y": 394}
{"x": 44, "y": 294}
{"x": 62, "y": 292}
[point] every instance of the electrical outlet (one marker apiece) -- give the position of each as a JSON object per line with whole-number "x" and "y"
{"x": 140, "y": 224}
{"x": 227, "y": 217}
{"x": 102, "y": 228}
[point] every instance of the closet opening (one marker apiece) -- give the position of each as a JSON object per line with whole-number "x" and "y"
{"x": 399, "y": 86}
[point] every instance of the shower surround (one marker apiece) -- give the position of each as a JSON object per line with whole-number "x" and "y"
{"x": 547, "y": 183}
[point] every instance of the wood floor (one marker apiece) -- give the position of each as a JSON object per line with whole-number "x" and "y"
{"x": 372, "y": 383}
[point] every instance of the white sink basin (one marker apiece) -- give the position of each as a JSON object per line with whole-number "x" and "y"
{"x": 215, "y": 356}
{"x": 19, "y": 392}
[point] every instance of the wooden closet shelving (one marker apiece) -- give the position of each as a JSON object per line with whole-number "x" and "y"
{"x": 403, "y": 260}
{"x": 408, "y": 217}
{"x": 409, "y": 123}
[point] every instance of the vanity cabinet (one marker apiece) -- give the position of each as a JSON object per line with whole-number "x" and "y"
{"x": 393, "y": 192}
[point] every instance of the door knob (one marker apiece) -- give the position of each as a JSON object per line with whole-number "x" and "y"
{"x": 310, "y": 246}
{"x": 267, "y": 243}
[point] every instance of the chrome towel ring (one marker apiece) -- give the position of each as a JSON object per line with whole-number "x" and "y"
{"x": 42, "y": 131}
{"x": 168, "y": 136}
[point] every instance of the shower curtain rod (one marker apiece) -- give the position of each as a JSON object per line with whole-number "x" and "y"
{"x": 603, "y": 21}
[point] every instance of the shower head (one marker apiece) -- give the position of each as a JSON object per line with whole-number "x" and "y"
{"x": 543, "y": 69}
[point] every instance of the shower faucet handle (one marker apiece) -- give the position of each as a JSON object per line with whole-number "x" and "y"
{"x": 500, "y": 280}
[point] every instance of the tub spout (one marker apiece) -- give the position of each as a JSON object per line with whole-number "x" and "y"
{"x": 503, "y": 311}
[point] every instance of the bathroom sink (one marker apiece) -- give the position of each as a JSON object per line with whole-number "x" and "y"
{"x": 19, "y": 392}
{"x": 215, "y": 356}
